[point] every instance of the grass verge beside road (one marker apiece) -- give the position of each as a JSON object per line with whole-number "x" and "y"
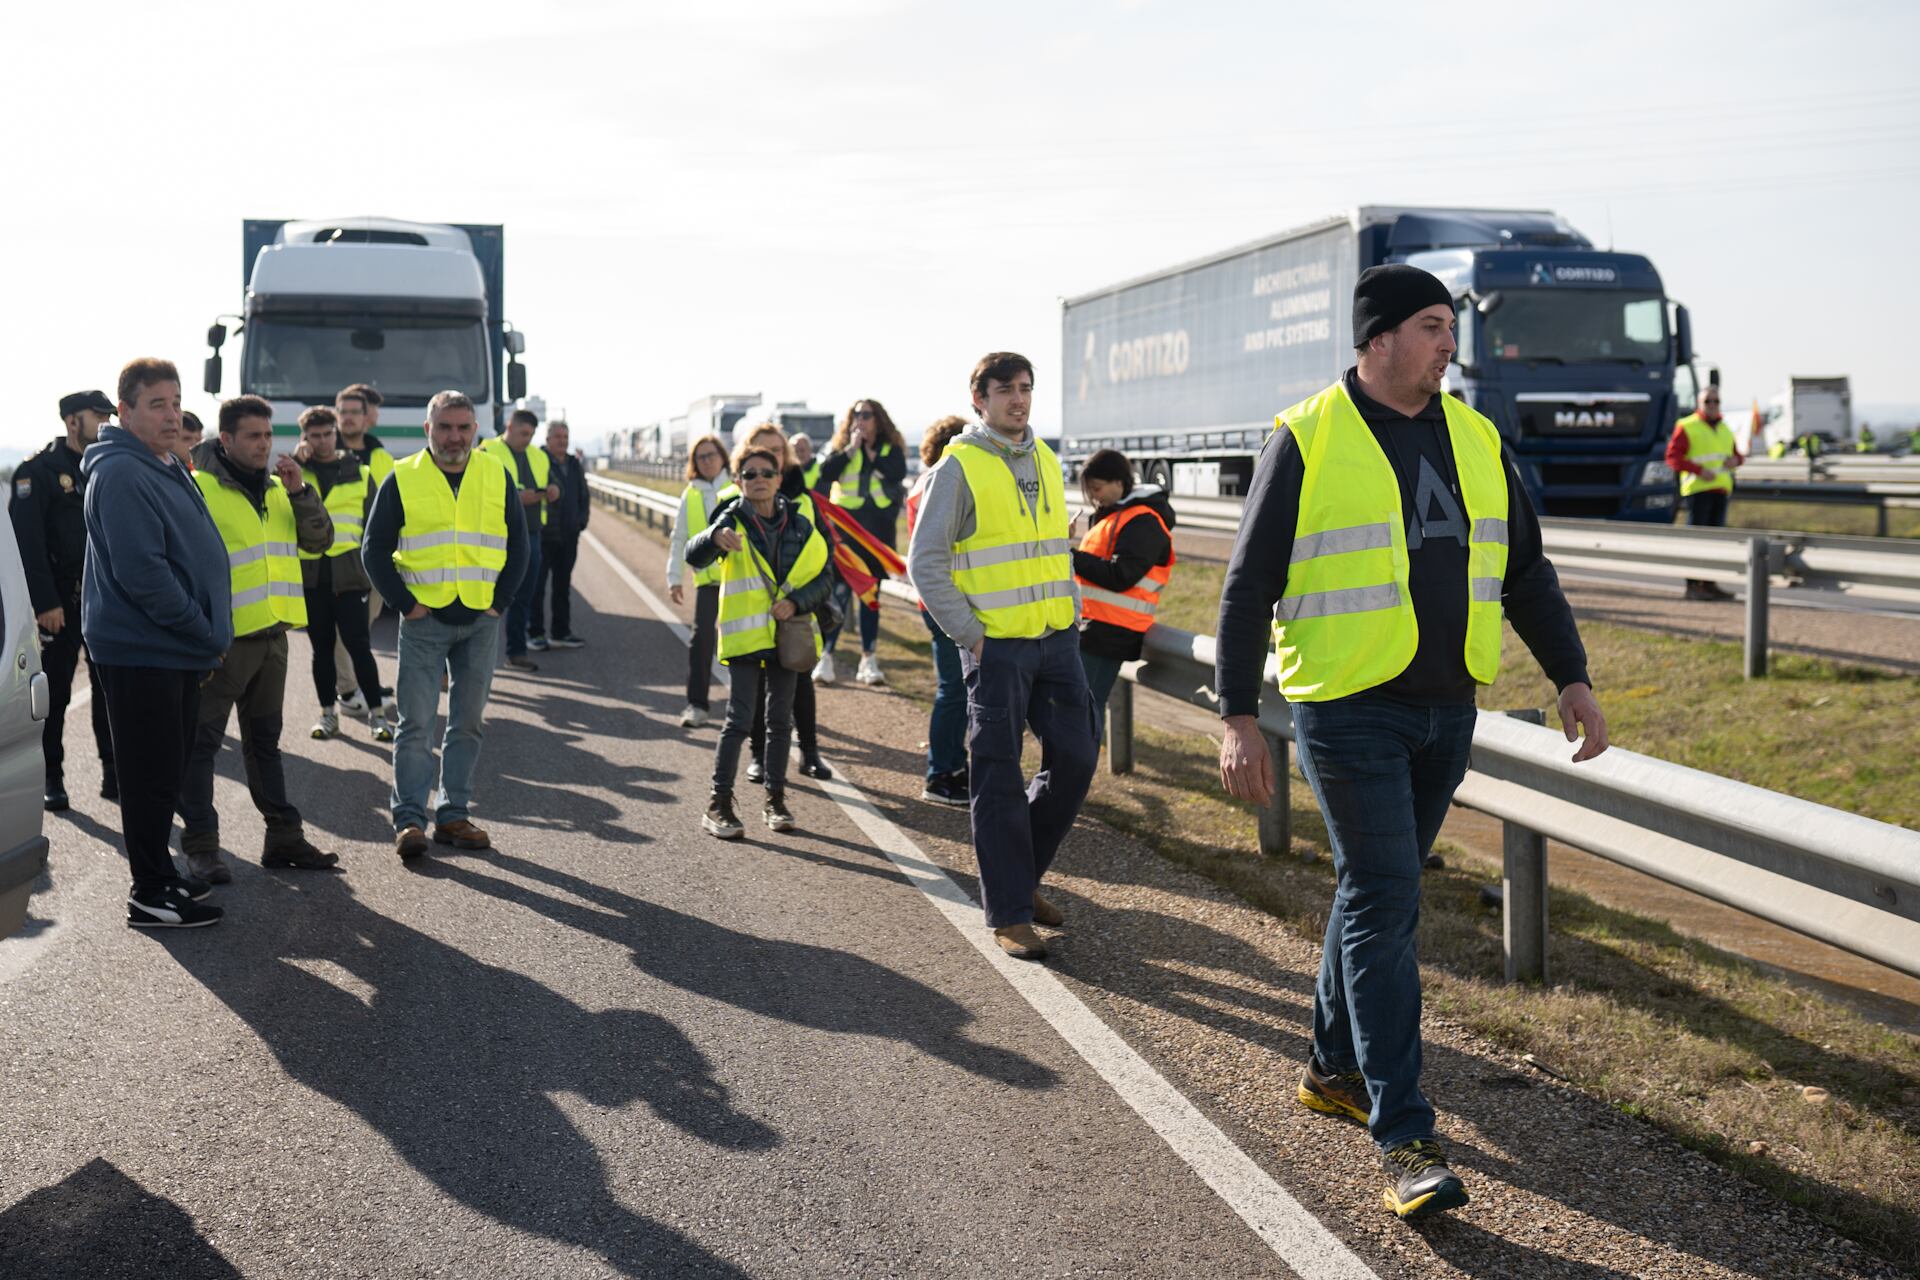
{"x": 1802, "y": 1096}
{"x": 1813, "y": 517}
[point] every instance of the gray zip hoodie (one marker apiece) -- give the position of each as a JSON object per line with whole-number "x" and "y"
{"x": 946, "y": 517}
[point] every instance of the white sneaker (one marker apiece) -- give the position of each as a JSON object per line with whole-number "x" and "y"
{"x": 328, "y": 725}
{"x": 382, "y": 719}
{"x": 693, "y": 718}
{"x": 869, "y": 672}
{"x": 356, "y": 702}
{"x": 823, "y": 672}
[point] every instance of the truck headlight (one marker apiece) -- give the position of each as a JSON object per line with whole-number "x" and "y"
{"x": 1656, "y": 473}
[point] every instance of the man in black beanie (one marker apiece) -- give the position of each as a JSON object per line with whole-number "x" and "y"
{"x": 1385, "y": 536}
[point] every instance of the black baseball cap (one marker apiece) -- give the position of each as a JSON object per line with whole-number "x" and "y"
{"x": 94, "y": 400}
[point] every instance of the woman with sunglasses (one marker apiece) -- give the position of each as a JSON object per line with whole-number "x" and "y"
{"x": 866, "y": 464}
{"x": 772, "y": 561}
{"x": 706, "y": 476}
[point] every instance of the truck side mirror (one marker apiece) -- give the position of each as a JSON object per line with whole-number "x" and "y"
{"x": 516, "y": 381}
{"x": 1682, "y": 335}
{"x": 1490, "y": 303}
{"x": 211, "y": 382}
{"x": 217, "y": 336}
{"x": 516, "y": 343}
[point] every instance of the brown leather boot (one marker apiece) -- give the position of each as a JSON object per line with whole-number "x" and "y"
{"x": 461, "y": 834}
{"x": 1021, "y": 942}
{"x": 410, "y": 843}
{"x": 284, "y": 849}
{"x": 1044, "y": 912}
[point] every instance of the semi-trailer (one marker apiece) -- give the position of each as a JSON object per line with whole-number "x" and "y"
{"x": 1571, "y": 350}
{"x": 410, "y": 308}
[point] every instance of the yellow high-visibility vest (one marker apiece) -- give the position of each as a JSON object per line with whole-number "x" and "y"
{"x": 1016, "y": 570}
{"x": 849, "y": 491}
{"x": 1709, "y": 447}
{"x": 540, "y": 460}
{"x": 694, "y": 504}
{"x": 452, "y": 548}
{"x": 747, "y": 593}
{"x": 263, "y": 554}
{"x": 347, "y": 504}
{"x": 1345, "y": 621}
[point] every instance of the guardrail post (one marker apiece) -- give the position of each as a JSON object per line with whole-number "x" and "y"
{"x": 1276, "y": 819}
{"x": 1120, "y": 728}
{"x": 1757, "y": 586}
{"x": 1523, "y": 890}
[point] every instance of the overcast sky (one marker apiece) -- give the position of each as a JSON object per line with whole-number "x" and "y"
{"x": 857, "y": 198}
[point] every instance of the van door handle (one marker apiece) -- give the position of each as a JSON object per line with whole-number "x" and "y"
{"x": 39, "y": 696}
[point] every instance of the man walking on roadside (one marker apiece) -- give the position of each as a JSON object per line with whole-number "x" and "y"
{"x": 559, "y": 544}
{"x": 445, "y": 544}
{"x": 529, "y": 469}
{"x": 266, "y": 513}
{"x": 1704, "y": 452}
{"x": 48, "y": 509}
{"x": 156, "y": 617}
{"x": 1384, "y": 532}
{"x": 992, "y": 562}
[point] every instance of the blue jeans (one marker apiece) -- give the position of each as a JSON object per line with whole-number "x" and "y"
{"x": 947, "y": 729}
{"x": 1102, "y": 673}
{"x": 1018, "y": 825}
{"x": 429, "y": 647}
{"x": 522, "y": 607}
{"x": 843, "y": 600}
{"x": 1384, "y": 773}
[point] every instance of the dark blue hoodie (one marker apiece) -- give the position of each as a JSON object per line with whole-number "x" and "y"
{"x": 156, "y": 591}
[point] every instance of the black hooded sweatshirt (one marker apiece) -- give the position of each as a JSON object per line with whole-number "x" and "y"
{"x": 1140, "y": 546}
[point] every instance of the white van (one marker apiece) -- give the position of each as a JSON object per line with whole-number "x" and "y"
{"x": 24, "y": 701}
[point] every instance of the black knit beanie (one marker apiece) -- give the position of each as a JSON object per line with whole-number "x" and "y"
{"x": 1387, "y": 295}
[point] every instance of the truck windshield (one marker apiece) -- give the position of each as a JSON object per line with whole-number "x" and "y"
{"x": 1577, "y": 326}
{"x": 296, "y": 356}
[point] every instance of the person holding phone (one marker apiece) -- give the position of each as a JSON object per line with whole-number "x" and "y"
{"x": 773, "y": 567}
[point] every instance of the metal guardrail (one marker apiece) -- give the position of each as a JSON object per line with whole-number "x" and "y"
{"x": 1848, "y": 881}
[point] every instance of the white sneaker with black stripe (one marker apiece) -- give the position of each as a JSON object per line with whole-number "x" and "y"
{"x": 169, "y": 907}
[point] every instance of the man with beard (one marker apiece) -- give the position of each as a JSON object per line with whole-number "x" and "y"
{"x": 1703, "y": 451}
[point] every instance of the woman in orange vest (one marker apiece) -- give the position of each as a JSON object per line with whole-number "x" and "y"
{"x": 1121, "y": 567}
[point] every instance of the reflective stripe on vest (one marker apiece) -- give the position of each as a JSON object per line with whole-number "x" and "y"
{"x": 849, "y": 491}
{"x": 263, "y": 557}
{"x": 539, "y": 460}
{"x": 347, "y": 505}
{"x": 1016, "y": 570}
{"x": 1133, "y": 608}
{"x": 1345, "y": 622}
{"x": 1709, "y": 447}
{"x": 697, "y": 517}
{"x": 746, "y": 597}
{"x": 452, "y": 548}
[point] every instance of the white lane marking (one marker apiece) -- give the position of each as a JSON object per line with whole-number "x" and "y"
{"x": 1312, "y": 1251}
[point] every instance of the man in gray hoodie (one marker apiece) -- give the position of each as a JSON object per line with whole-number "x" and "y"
{"x": 992, "y": 562}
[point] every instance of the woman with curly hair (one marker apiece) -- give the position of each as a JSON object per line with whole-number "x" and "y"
{"x": 866, "y": 465}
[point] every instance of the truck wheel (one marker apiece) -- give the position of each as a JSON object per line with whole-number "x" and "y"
{"x": 1161, "y": 474}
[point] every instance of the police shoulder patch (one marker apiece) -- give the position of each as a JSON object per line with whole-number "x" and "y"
{"x": 23, "y": 486}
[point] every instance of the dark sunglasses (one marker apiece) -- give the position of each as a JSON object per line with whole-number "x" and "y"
{"x": 758, "y": 473}
{"x": 863, "y": 413}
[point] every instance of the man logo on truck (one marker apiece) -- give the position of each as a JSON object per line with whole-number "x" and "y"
{"x": 1571, "y": 418}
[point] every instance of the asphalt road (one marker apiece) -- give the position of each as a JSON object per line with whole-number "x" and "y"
{"x": 614, "y": 1046}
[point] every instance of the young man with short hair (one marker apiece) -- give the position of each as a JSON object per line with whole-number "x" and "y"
{"x": 156, "y": 615}
{"x": 358, "y": 408}
{"x": 992, "y": 562}
{"x": 48, "y": 509}
{"x": 266, "y": 513}
{"x": 334, "y": 580}
{"x": 529, "y": 469}
{"x": 559, "y": 544}
{"x": 446, "y": 545}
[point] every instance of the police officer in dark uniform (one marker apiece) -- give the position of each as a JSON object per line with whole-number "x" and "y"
{"x": 49, "y": 522}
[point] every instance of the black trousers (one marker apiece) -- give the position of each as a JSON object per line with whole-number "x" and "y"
{"x": 1708, "y": 508}
{"x": 706, "y": 638}
{"x": 153, "y": 712}
{"x": 557, "y": 557}
{"x": 253, "y": 679}
{"x": 804, "y": 725}
{"x": 345, "y": 615}
{"x": 59, "y": 658}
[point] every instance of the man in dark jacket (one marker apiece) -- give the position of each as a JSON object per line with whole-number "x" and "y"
{"x": 156, "y": 614}
{"x": 559, "y": 545}
{"x": 245, "y": 486}
{"x": 48, "y": 508}
{"x": 1121, "y": 564}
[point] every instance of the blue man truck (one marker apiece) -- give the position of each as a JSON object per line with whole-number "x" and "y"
{"x": 410, "y": 308}
{"x": 1569, "y": 349}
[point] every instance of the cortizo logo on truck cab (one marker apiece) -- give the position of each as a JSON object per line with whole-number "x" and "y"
{"x": 1567, "y": 273}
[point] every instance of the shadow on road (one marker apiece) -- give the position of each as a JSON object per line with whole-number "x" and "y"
{"x": 452, "y": 1062}
{"x": 822, "y": 988}
{"x": 99, "y": 1222}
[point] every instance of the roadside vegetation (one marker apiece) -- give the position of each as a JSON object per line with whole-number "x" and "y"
{"x": 1809, "y": 517}
{"x": 1794, "y": 1091}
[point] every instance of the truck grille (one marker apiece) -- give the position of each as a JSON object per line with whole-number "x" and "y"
{"x": 1589, "y": 417}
